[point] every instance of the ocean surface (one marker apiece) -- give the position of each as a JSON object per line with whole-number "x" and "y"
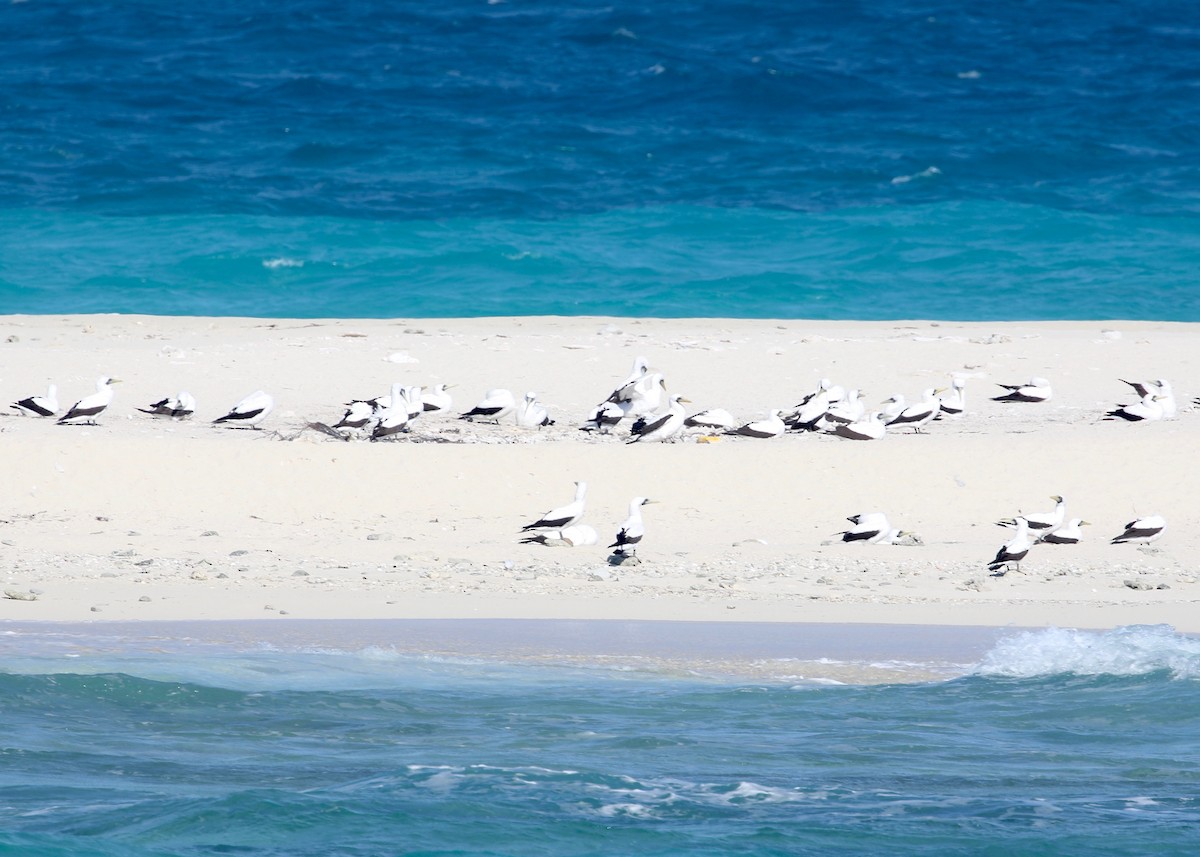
{"x": 1017, "y": 159}
{"x": 241, "y": 740}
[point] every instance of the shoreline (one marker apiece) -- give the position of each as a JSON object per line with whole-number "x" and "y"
{"x": 142, "y": 519}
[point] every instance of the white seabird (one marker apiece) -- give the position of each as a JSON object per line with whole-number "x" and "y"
{"x": 623, "y": 392}
{"x": 869, "y": 527}
{"x": 250, "y": 411}
{"x": 495, "y": 405}
{"x": 90, "y": 407}
{"x": 569, "y": 537}
{"x": 40, "y": 406}
{"x": 358, "y": 414}
{"x": 1142, "y": 530}
{"x": 631, "y": 532}
{"x": 849, "y": 410}
{"x": 892, "y": 407}
{"x": 1160, "y": 389}
{"x": 436, "y": 399}
{"x": 918, "y": 415}
{"x": 1013, "y": 551}
{"x": 809, "y": 415}
{"x": 1067, "y": 534}
{"x": 563, "y": 516}
{"x": 1042, "y": 521}
{"x": 180, "y": 406}
{"x": 666, "y": 426}
{"x": 1149, "y": 409}
{"x": 646, "y": 396}
{"x": 1037, "y": 390}
{"x": 871, "y": 428}
{"x": 412, "y": 400}
{"x": 772, "y": 426}
{"x": 954, "y": 402}
{"x": 393, "y": 419}
{"x": 531, "y": 414}
{"x": 713, "y": 418}
{"x": 603, "y": 418}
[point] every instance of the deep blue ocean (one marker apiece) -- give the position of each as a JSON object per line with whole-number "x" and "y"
{"x": 1017, "y": 159}
{"x": 1053, "y": 743}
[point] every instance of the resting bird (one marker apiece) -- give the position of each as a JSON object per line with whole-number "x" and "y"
{"x": 496, "y": 405}
{"x": 436, "y": 399}
{"x": 955, "y": 401}
{"x": 180, "y": 406}
{"x": 1161, "y": 390}
{"x": 1142, "y": 530}
{"x": 1149, "y": 409}
{"x": 603, "y": 418}
{"x": 250, "y": 411}
{"x": 358, "y": 414}
{"x": 631, "y": 532}
{"x": 1037, "y": 390}
{"x": 869, "y": 527}
{"x": 40, "y": 406}
{"x": 1068, "y": 534}
{"x": 563, "y": 516}
{"x": 1042, "y": 521}
{"x": 713, "y": 418}
{"x": 90, "y": 407}
{"x": 1013, "y": 551}
{"x": 872, "y": 428}
{"x": 531, "y": 414}
{"x": 772, "y": 426}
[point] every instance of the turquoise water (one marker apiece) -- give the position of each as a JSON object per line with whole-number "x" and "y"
{"x": 1053, "y": 742}
{"x": 1008, "y": 160}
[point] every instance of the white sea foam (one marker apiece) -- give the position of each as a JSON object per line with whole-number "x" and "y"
{"x": 1131, "y": 650}
{"x": 928, "y": 172}
{"x": 282, "y": 262}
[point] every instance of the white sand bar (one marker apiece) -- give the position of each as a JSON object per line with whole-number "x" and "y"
{"x": 145, "y": 518}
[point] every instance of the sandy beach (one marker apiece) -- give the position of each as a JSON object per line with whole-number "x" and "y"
{"x": 145, "y": 518}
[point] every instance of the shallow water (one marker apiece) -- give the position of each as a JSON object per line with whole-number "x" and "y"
{"x": 248, "y": 739}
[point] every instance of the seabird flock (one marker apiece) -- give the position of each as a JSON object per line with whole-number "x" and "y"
{"x": 653, "y": 415}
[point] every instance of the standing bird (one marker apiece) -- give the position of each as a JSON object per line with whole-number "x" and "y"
{"x": 1068, "y": 534}
{"x": 1012, "y": 552}
{"x": 624, "y": 390}
{"x": 772, "y": 426}
{"x": 1142, "y": 530}
{"x": 393, "y": 419}
{"x": 250, "y": 411}
{"x": 496, "y": 405}
{"x": 40, "y": 406}
{"x": 631, "y": 532}
{"x": 563, "y": 516}
{"x": 531, "y": 414}
{"x": 664, "y": 427}
{"x": 89, "y": 407}
{"x": 918, "y": 415}
{"x": 1037, "y": 390}
{"x": 180, "y": 406}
